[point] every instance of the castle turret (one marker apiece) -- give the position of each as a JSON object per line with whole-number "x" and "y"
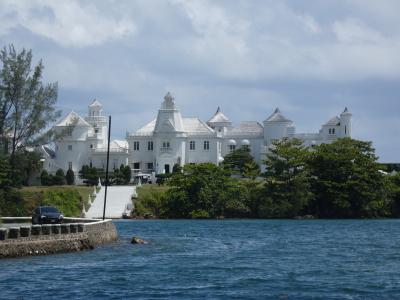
{"x": 169, "y": 118}
{"x": 99, "y": 122}
{"x": 219, "y": 121}
{"x": 95, "y": 108}
{"x": 276, "y": 127}
{"x": 345, "y": 123}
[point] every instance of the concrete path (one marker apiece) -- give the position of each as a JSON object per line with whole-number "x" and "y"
{"x": 118, "y": 197}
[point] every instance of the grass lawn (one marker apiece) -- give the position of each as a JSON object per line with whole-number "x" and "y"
{"x": 148, "y": 202}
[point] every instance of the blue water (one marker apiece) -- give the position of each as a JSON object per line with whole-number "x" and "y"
{"x": 281, "y": 259}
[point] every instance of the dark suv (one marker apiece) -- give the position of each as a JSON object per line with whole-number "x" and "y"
{"x": 46, "y": 215}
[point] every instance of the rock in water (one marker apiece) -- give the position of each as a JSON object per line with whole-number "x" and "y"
{"x": 137, "y": 240}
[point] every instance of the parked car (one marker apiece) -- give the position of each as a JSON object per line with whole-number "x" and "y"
{"x": 46, "y": 215}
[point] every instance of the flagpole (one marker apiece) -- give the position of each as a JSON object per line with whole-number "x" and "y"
{"x": 108, "y": 159}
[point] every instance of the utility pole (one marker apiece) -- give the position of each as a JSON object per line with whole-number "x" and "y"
{"x": 108, "y": 159}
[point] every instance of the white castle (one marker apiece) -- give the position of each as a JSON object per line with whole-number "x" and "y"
{"x": 172, "y": 139}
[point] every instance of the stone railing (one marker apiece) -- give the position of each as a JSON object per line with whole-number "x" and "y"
{"x": 74, "y": 234}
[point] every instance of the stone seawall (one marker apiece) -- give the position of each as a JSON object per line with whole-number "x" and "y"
{"x": 48, "y": 239}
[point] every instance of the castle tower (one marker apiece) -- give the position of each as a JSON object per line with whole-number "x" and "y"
{"x": 345, "y": 123}
{"x": 169, "y": 118}
{"x": 276, "y": 127}
{"x": 99, "y": 123}
{"x": 95, "y": 108}
{"x": 219, "y": 121}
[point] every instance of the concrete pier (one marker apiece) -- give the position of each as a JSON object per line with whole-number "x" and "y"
{"x": 54, "y": 238}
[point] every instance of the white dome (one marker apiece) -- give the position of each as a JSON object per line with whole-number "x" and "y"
{"x": 245, "y": 143}
{"x": 232, "y": 142}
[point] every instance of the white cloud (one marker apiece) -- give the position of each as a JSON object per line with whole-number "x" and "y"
{"x": 355, "y": 31}
{"x": 68, "y": 23}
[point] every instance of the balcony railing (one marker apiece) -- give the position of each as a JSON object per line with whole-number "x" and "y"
{"x": 96, "y": 119}
{"x": 112, "y": 150}
{"x": 165, "y": 149}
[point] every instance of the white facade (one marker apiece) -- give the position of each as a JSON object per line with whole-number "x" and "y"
{"x": 171, "y": 139}
{"x": 84, "y": 142}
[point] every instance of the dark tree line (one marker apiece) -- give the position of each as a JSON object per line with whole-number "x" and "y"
{"x": 337, "y": 180}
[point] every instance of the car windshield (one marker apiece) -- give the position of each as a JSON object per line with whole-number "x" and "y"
{"x": 49, "y": 210}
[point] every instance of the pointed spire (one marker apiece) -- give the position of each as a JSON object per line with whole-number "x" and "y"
{"x": 277, "y": 116}
{"x": 346, "y": 111}
{"x": 218, "y": 117}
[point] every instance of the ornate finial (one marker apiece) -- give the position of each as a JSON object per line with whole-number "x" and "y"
{"x": 277, "y": 110}
{"x": 168, "y": 97}
{"x": 218, "y": 110}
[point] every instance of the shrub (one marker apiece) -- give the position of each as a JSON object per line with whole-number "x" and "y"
{"x": 70, "y": 177}
{"x": 200, "y": 214}
{"x": 59, "y": 178}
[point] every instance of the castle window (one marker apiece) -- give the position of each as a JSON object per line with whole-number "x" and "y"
{"x": 91, "y": 146}
{"x": 232, "y": 147}
{"x": 68, "y": 131}
{"x": 345, "y": 129}
{"x": 206, "y": 145}
{"x": 70, "y": 165}
{"x": 150, "y": 166}
{"x": 331, "y": 131}
{"x": 150, "y": 145}
{"x": 136, "y": 146}
{"x": 165, "y": 144}
{"x": 136, "y": 166}
{"x": 96, "y": 130}
{"x": 192, "y": 145}
{"x": 69, "y": 147}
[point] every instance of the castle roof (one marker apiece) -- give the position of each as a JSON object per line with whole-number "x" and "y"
{"x": 335, "y": 121}
{"x": 219, "y": 117}
{"x": 95, "y": 103}
{"x": 195, "y": 125}
{"x": 148, "y": 128}
{"x": 277, "y": 116}
{"x": 192, "y": 125}
{"x": 73, "y": 119}
{"x": 117, "y": 144}
{"x": 247, "y": 128}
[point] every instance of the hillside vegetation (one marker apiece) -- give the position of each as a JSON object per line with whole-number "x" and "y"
{"x": 68, "y": 199}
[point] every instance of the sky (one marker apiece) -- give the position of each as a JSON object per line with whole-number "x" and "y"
{"x": 310, "y": 58}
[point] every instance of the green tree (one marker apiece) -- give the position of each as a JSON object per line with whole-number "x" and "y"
{"x": 70, "y": 177}
{"x": 199, "y": 188}
{"x": 59, "y": 178}
{"x": 346, "y": 181}
{"x": 5, "y": 178}
{"x": 287, "y": 186}
{"x": 27, "y": 105}
{"x": 393, "y": 187}
{"x": 127, "y": 173}
{"x": 91, "y": 175}
{"x": 46, "y": 178}
{"x": 176, "y": 168}
{"x": 237, "y": 160}
{"x": 121, "y": 176}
